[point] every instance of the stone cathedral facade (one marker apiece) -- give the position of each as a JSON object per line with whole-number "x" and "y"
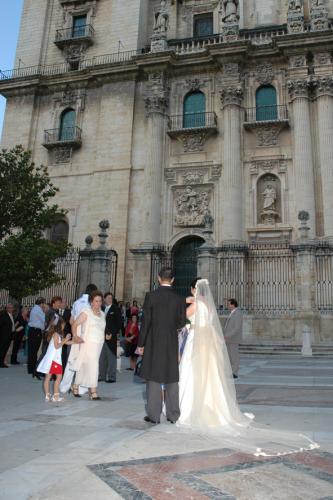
{"x": 189, "y": 122}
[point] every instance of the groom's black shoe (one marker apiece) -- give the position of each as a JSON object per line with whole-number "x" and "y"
{"x": 235, "y": 376}
{"x": 171, "y": 421}
{"x": 147, "y": 419}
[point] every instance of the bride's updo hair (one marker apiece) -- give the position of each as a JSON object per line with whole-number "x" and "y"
{"x": 194, "y": 282}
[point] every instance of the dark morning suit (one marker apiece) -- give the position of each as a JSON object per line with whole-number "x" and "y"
{"x": 18, "y": 337}
{"x": 108, "y": 358}
{"x": 164, "y": 312}
{"x": 233, "y": 334}
{"x": 6, "y": 335}
{"x": 65, "y": 314}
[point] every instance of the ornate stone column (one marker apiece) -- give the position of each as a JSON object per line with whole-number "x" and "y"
{"x": 324, "y": 96}
{"x": 232, "y": 177}
{"x": 156, "y": 102}
{"x": 303, "y": 154}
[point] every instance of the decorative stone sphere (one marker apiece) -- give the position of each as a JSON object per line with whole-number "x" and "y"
{"x": 104, "y": 224}
{"x": 303, "y": 216}
{"x": 89, "y": 240}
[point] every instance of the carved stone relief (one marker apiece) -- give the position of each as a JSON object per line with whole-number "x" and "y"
{"x": 323, "y": 86}
{"x": 62, "y": 154}
{"x": 194, "y": 141}
{"x": 232, "y": 95}
{"x": 265, "y": 73}
{"x": 157, "y": 93}
{"x": 298, "y": 88}
{"x": 318, "y": 15}
{"x": 193, "y": 173}
{"x": 322, "y": 59}
{"x": 297, "y": 61}
{"x": 191, "y": 206}
{"x": 268, "y": 135}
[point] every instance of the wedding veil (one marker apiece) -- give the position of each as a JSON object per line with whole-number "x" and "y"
{"x": 215, "y": 408}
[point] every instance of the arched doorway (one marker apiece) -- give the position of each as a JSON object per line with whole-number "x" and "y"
{"x": 184, "y": 259}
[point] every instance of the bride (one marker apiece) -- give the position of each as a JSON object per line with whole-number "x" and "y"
{"x": 207, "y": 392}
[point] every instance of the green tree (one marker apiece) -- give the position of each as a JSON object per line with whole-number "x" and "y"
{"x": 27, "y": 258}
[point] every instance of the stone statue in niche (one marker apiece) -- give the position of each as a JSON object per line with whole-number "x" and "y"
{"x": 295, "y": 5}
{"x": 192, "y": 207}
{"x": 317, "y": 3}
{"x": 161, "y": 20}
{"x": 269, "y": 200}
{"x": 230, "y": 9}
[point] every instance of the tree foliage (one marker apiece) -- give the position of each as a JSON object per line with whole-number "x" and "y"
{"x": 26, "y": 256}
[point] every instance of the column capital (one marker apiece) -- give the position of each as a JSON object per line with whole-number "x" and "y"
{"x": 156, "y": 94}
{"x": 323, "y": 86}
{"x": 298, "y": 89}
{"x": 231, "y": 95}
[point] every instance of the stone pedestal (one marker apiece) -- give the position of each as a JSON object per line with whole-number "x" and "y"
{"x": 303, "y": 154}
{"x": 96, "y": 265}
{"x": 141, "y": 272}
{"x": 207, "y": 267}
{"x": 307, "y": 319}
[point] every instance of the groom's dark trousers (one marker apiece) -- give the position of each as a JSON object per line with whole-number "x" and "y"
{"x": 164, "y": 312}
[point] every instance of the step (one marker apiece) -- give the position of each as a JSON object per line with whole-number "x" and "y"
{"x": 318, "y": 350}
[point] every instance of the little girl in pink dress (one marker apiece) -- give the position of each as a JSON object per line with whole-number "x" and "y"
{"x": 51, "y": 364}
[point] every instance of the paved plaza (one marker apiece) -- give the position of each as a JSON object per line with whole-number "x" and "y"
{"x": 82, "y": 449}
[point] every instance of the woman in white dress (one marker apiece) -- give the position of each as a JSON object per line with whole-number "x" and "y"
{"x": 91, "y": 326}
{"x": 207, "y": 392}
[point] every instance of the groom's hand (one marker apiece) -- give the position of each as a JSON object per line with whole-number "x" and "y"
{"x": 140, "y": 351}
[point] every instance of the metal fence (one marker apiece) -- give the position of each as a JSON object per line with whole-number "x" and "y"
{"x": 67, "y": 268}
{"x": 324, "y": 280}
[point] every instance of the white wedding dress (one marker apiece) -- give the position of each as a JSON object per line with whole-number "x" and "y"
{"x": 207, "y": 394}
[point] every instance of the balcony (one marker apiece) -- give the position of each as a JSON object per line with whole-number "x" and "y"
{"x": 192, "y": 121}
{"x": 265, "y": 115}
{"x": 192, "y": 129}
{"x": 68, "y": 136}
{"x": 81, "y": 34}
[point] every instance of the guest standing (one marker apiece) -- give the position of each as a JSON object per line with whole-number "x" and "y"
{"x": 131, "y": 341}
{"x": 108, "y": 359}
{"x": 233, "y": 334}
{"x": 35, "y": 334}
{"x": 7, "y": 330}
{"x": 51, "y": 363}
{"x": 21, "y": 322}
{"x": 87, "y": 362}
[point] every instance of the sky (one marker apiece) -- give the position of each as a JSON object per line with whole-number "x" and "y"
{"x": 9, "y": 29}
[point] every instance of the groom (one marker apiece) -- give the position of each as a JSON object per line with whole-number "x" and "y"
{"x": 164, "y": 312}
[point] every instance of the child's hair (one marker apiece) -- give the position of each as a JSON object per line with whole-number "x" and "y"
{"x": 58, "y": 328}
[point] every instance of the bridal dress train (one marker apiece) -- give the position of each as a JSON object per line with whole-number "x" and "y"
{"x": 208, "y": 403}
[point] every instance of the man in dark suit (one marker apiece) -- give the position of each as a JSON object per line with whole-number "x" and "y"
{"x": 233, "y": 334}
{"x": 108, "y": 358}
{"x": 7, "y": 330}
{"x": 164, "y": 312}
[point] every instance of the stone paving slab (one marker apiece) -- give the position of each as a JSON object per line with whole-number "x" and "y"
{"x": 60, "y": 451}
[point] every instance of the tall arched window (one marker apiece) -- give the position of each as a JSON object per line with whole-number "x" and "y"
{"x": 67, "y": 125}
{"x": 266, "y": 103}
{"x": 194, "y": 110}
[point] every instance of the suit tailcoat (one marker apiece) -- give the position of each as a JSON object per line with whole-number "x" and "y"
{"x": 113, "y": 326}
{"x": 164, "y": 312}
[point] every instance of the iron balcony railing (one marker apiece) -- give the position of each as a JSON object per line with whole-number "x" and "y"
{"x": 266, "y": 114}
{"x": 188, "y": 121}
{"x": 70, "y": 34}
{"x": 67, "y": 135}
{"x": 57, "y": 69}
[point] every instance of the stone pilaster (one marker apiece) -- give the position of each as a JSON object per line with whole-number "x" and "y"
{"x": 302, "y": 154}
{"x": 156, "y": 102}
{"x": 295, "y": 17}
{"x": 324, "y": 97}
{"x": 318, "y": 15}
{"x": 232, "y": 203}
